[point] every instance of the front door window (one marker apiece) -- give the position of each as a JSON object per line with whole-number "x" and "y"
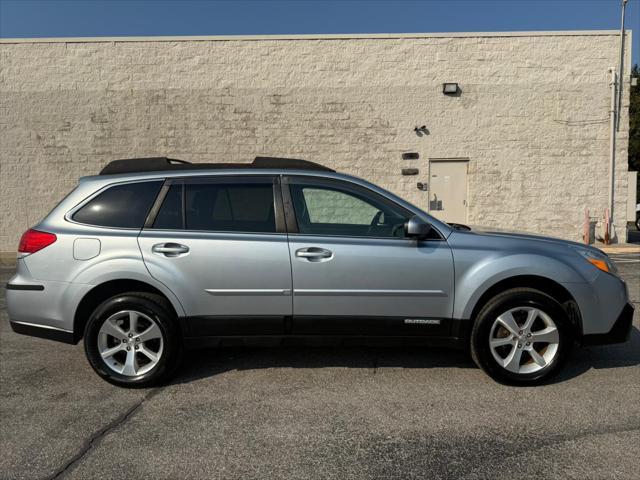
{"x": 340, "y": 210}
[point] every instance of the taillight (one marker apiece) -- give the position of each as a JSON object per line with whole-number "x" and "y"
{"x": 34, "y": 240}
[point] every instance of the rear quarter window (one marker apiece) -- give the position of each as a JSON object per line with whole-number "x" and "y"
{"x": 121, "y": 206}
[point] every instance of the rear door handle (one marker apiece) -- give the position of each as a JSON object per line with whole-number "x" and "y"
{"x": 314, "y": 254}
{"x": 169, "y": 249}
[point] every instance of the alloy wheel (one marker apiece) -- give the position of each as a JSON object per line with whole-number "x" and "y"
{"x": 524, "y": 340}
{"x": 130, "y": 343}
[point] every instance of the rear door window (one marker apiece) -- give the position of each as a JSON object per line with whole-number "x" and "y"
{"x": 170, "y": 214}
{"x": 224, "y": 206}
{"x": 219, "y": 205}
{"x": 121, "y": 206}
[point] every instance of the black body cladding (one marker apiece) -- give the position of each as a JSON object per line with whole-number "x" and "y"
{"x": 619, "y": 333}
{"x": 43, "y": 332}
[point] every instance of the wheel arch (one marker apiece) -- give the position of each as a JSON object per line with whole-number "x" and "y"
{"x": 543, "y": 284}
{"x": 108, "y": 289}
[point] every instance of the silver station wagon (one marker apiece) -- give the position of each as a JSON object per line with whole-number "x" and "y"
{"x": 156, "y": 255}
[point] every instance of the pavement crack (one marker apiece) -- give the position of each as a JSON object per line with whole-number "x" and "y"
{"x": 96, "y": 437}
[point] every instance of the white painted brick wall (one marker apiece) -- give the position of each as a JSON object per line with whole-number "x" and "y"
{"x": 532, "y": 117}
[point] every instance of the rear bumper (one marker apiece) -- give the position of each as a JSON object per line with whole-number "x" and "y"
{"x": 42, "y": 308}
{"x": 619, "y": 332}
{"x": 41, "y": 331}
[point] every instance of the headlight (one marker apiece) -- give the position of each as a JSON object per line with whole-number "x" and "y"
{"x": 598, "y": 259}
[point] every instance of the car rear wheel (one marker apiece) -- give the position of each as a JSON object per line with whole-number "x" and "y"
{"x": 521, "y": 336}
{"x": 131, "y": 340}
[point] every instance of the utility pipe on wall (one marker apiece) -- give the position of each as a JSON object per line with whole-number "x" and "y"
{"x": 616, "y": 105}
{"x": 620, "y": 67}
{"x": 608, "y": 235}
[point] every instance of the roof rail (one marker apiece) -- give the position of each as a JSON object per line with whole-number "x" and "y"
{"x": 158, "y": 164}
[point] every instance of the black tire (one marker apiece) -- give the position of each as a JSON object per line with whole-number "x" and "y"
{"x": 503, "y": 302}
{"x": 156, "y": 308}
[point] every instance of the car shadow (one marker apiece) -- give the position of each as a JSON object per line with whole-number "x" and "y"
{"x": 603, "y": 357}
{"x": 200, "y": 364}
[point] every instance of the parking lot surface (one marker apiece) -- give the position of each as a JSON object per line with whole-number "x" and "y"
{"x": 319, "y": 413}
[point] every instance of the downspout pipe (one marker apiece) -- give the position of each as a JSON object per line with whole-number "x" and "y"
{"x": 620, "y": 66}
{"x": 612, "y": 154}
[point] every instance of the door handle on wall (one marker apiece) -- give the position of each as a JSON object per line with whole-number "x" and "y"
{"x": 169, "y": 249}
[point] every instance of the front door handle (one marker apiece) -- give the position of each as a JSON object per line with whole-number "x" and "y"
{"x": 170, "y": 249}
{"x": 314, "y": 254}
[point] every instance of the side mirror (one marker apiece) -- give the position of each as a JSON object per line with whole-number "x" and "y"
{"x": 417, "y": 227}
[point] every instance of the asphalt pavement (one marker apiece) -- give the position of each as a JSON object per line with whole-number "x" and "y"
{"x": 319, "y": 413}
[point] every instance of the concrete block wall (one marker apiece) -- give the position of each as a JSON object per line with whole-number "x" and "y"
{"x": 532, "y": 116}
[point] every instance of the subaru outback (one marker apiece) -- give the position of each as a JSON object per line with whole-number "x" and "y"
{"x": 155, "y": 255}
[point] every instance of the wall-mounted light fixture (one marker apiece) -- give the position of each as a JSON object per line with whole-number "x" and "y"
{"x": 450, "y": 88}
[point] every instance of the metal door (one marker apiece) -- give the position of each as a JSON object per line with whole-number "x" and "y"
{"x": 357, "y": 276}
{"x": 233, "y": 277}
{"x": 448, "y": 190}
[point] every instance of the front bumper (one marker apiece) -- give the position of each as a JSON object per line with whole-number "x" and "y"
{"x": 619, "y": 332}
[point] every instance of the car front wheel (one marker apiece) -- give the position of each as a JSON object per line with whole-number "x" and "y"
{"x": 521, "y": 336}
{"x": 131, "y": 340}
